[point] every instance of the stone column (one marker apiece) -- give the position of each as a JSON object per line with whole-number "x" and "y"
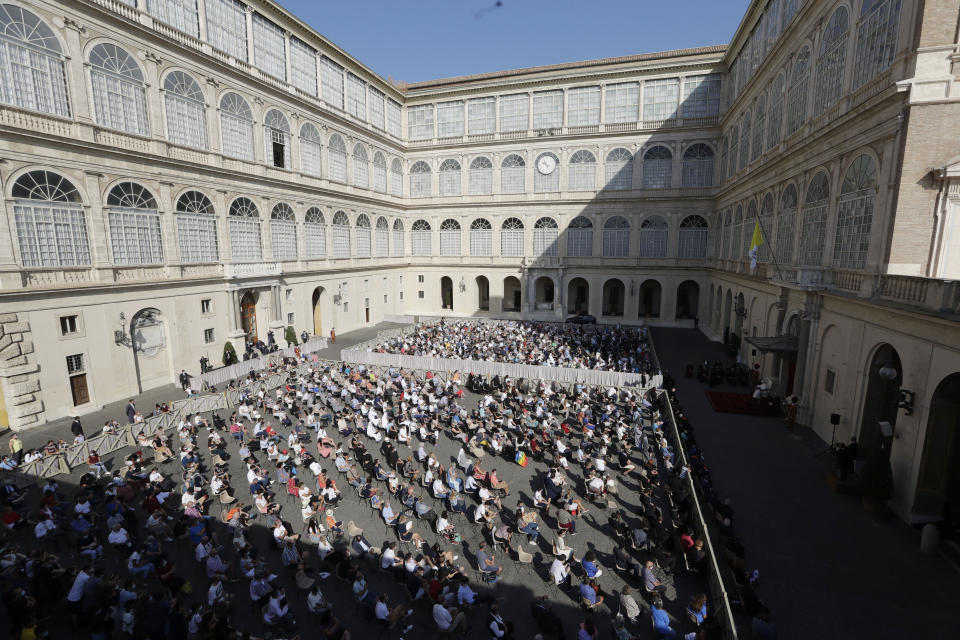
{"x": 234, "y": 299}
{"x": 249, "y": 34}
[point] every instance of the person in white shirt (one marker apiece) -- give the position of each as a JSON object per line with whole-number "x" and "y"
{"x": 216, "y": 596}
{"x": 382, "y": 612}
{"x": 560, "y": 572}
{"x": 447, "y": 619}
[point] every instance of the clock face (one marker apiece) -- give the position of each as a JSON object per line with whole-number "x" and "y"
{"x": 546, "y": 165}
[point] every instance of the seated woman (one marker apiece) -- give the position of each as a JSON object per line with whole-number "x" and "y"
{"x": 539, "y": 501}
{"x": 405, "y": 532}
{"x": 560, "y": 548}
{"x": 325, "y": 446}
{"x": 697, "y": 609}
{"x": 444, "y": 527}
{"x": 439, "y": 490}
{"x": 590, "y": 565}
{"x": 457, "y": 503}
{"x": 497, "y": 484}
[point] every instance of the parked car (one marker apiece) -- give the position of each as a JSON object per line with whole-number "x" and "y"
{"x": 582, "y": 319}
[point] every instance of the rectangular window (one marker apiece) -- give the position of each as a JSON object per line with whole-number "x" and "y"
{"x": 515, "y": 112}
{"x": 75, "y": 364}
{"x": 701, "y": 96}
{"x": 208, "y": 336}
{"x": 68, "y": 325}
{"x": 377, "y": 100}
{"x": 198, "y": 238}
{"x": 303, "y": 66}
{"x": 384, "y": 298}
{"x": 269, "y": 53}
{"x": 135, "y": 236}
{"x": 660, "y": 99}
{"x": 356, "y": 97}
{"x": 420, "y": 294}
{"x": 227, "y": 27}
{"x": 180, "y": 14}
{"x": 331, "y": 82}
{"x": 289, "y": 295}
{"x": 583, "y": 106}
{"x": 547, "y": 109}
{"x": 290, "y": 317}
{"x": 51, "y": 236}
{"x": 420, "y": 278}
{"x": 401, "y": 295}
{"x": 830, "y": 381}
{"x": 346, "y": 307}
{"x": 206, "y": 305}
{"x": 450, "y": 119}
{"x": 394, "y": 127}
{"x": 420, "y": 122}
{"x": 622, "y": 103}
{"x": 481, "y": 116}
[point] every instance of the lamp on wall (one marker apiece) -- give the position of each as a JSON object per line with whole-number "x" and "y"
{"x": 120, "y": 336}
{"x": 905, "y": 398}
{"x": 463, "y": 285}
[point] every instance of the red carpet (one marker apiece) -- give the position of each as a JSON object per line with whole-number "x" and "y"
{"x": 742, "y": 403}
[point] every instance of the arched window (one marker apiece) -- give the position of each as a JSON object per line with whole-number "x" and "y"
{"x": 236, "y": 127}
{"x": 244, "y": 219}
{"x": 311, "y": 150}
{"x": 481, "y": 177}
{"x": 420, "y": 180}
{"x": 51, "y": 227}
{"x": 786, "y": 224}
{"x": 876, "y": 39}
{"x": 775, "y": 117}
{"x": 766, "y": 226}
{"x": 276, "y": 137}
{"x": 734, "y": 150}
{"x": 814, "y": 220}
{"x": 698, "y": 166}
{"x": 855, "y": 214}
{"x": 420, "y": 238}
{"x": 831, "y": 61}
{"x": 450, "y": 238}
{"x": 32, "y": 73}
{"x": 134, "y": 225}
{"x": 197, "y": 228}
{"x": 363, "y": 236}
{"x": 283, "y": 232}
{"x": 759, "y": 127}
{"x": 396, "y": 178}
{"x": 657, "y": 168}
{"x": 550, "y": 181}
{"x": 397, "y": 244}
{"x": 745, "y": 141}
{"x": 512, "y": 173}
{"x": 692, "y": 240}
{"x": 361, "y": 167}
{"x": 736, "y": 230}
{"x": 749, "y": 223}
{"x": 337, "y": 158}
{"x": 653, "y": 237}
{"x": 580, "y": 238}
{"x": 583, "y": 171}
{"x": 481, "y": 237}
{"x": 382, "y": 237}
{"x": 546, "y": 233}
{"x": 119, "y": 92}
{"x": 379, "y": 172}
{"x": 186, "y": 111}
{"x": 511, "y": 238}
{"x": 315, "y": 233}
{"x": 616, "y": 238}
{"x": 618, "y": 170}
{"x": 449, "y": 178}
{"x": 797, "y": 98}
{"x": 340, "y": 232}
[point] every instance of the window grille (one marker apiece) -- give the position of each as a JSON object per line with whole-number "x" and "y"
{"x": 397, "y": 245}
{"x": 337, "y": 159}
{"x": 32, "y": 71}
{"x": 382, "y": 238}
{"x": 701, "y": 96}
{"x": 420, "y": 180}
{"x": 379, "y": 172}
{"x": 481, "y": 116}
{"x": 481, "y": 176}
{"x": 618, "y": 170}
{"x": 283, "y": 232}
{"x": 786, "y": 224}
{"x": 450, "y": 178}
{"x": 269, "y": 51}
{"x": 363, "y": 236}
{"x": 227, "y": 27}
{"x": 511, "y": 238}
{"x": 450, "y": 119}
{"x": 377, "y": 108}
{"x": 692, "y": 239}
{"x": 697, "y": 166}
{"x": 580, "y": 238}
{"x": 197, "y": 228}
{"x": 356, "y": 97}
{"x": 547, "y": 109}
{"x": 361, "y": 167}
{"x": 657, "y": 168}
{"x": 481, "y": 238}
{"x": 134, "y": 225}
{"x": 450, "y": 238}
{"x": 276, "y": 140}
{"x": 185, "y": 110}
{"x": 797, "y": 97}
{"x": 303, "y": 66}
{"x": 512, "y": 174}
{"x": 831, "y": 61}
{"x": 315, "y": 233}
{"x": 236, "y": 127}
{"x": 420, "y": 122}
{"x": 244, "y": 226}
{"x": 340, "y": 230}
{"x": 331, "y": 82}
{"x": 660, "y": 99}
{"x": 855, "y": 214}
{"x": 616, "y": 238}
{"x": 179, "y": 14}
{"x": 653, "y": 237}
{"x": 119, "y": 92}
{"x": 311, "y": 150}
{"x": 50, "y": 223}
{"x": 876, "y": 39}
{"x": 775, "y": 117}
{"x": 515, "y": 112}
{"x": 396, "y": 177}
{"x": 583, "y": 106}
{"x": 622, "y": 102}
{"x": 583, "y": 171}
{"x": 814, "y": 221}
{"x": 546, "y": 234}
{"x": 420, "y": 238}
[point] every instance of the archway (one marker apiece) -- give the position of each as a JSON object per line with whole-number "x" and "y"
{"x": 545, "y": 293}
{"x": 511, "y": 294}
{"x": 446, "y": 293}
{"x": 710, "y": 314}
{"x": 318, "y": 300}
{"x": 613, "y": 298}
{"x": 938, "y": 485}
{"x": 149, "y": 340}
{"x": 650, "y": 294}
{"x": 881, "y": 398}
{"x": 248, "y": 314}
{"x": 483, "y": 293}
{"x": 578, "y": 297}
{"x": 688, "y": 300}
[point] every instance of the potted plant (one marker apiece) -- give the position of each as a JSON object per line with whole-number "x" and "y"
{"x": 290, "y": 335}
{"x": 876, "y": 479}
{"x": 229, "y": 354}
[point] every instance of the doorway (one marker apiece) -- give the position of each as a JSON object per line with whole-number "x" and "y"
{"x": 938, "y": 485}
{"x": 483, "y": 293}
{"x": 78, "y": 389}
{"x": 366, "y": 309}
{"x": 248, "y": 314}
{"x": 578, "y": 297}
{"x": 317, "y": 317}
{"x": 511, "y": 294}
{"x": 613, "y": 298}
{"x": 446, "y": 293}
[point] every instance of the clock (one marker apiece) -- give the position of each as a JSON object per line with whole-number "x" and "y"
{"x": 546, "y": 164}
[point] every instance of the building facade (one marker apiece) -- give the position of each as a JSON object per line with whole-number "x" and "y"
{"x": 177, "y": 174}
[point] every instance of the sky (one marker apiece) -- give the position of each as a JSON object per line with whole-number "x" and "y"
{"x": 414, "y": 40}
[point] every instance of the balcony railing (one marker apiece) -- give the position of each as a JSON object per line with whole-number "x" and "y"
{"x": 252, "y": 269}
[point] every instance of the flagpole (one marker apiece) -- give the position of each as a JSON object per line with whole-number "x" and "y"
{"x": 769, "y": 246}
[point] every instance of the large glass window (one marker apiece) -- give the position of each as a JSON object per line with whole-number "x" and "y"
{"x": 580, "y": 238}
{"x": 420, "y": 180}
{"x": 420, "y": 122}
{"x": 450, "y": 177}
{"x": 618, "y": 170}
{"x": 697, "y": 166}
{"x": 481, "y": 238}
{"x": 50, "y": 223}
{"x": 134, "y": 225}
{"x": 379, "y": 172}
{"x": 356, "y": 97}
{"x": 337, "y": 158}
{"x": 197, "y": 228}
{"x": 660, "y": 98}
{"x": 481, "y": 116}
{"x": 653, "y": 237}
{"x": 745, "y": 140}
{"x": 382, "y": 238}
{"x": 511, "y": 238}
{"x": 331, "y": 82}
{"x": 396, "y": 246}
{"x": 303, "y": 66}
{"x": 363, "y": 236}
{"x": 547, "y": 109}
{"x": 186, "y": 111}
{"x": 361, "y": 167}
{"x": 236, "y": 127}
{"x": 657, "y": 168}
{"x": 244, "y": 225}
{"x": 876, "y": 39}
{"x": 759, "y": 127}
{"x": 583, "y": 106}
{"x": 276, "y": 139}
{"x": 315, "y": 233}
{"x": 701, "y": 96}
{"x": 622, "y": 102}
{"x": 831, "y": 61}
{"x": 420, "y": 239}
{"x": 396, "y": 177}
{"x": 283, "y": 232}
{"x": 855, "y": 214}
{"x": 119, "y": 92}
{"x": 786, "y": 225}
{"x": 340, "y": 230}
{"x": 733, "y": 240}
{"x": 616, "y": 238}
{"x": 692, "y": 240}
{"x": 814, "y": 221}
{"x": 393, "y": 119}
{"x": 481, "y": 176}
{"x": 179, "y": 14}
{"x": 546, "y": 237}
{"x": 775, "y": 117}
{"x": 546, "y": 182}
{"x": 311, "y": 148}
{"x": 377, "y": 108}
{"x": 32, "y": 74}
{"x": 450, "y": 119}
{"x": 450, "y": 238}
{"x": 797, "y": 98}
{"x": 227, "y": 27}
{"x": 583, "y": 171}
{"x": 512, "y": 174}
{"x": 514, "y": 112}
{"x": 269, "y": 51}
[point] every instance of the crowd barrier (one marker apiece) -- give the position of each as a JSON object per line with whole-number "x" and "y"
{"x": 219, "y": 376}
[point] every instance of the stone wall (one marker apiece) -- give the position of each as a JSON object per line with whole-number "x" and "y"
{"x": 19, "y": 373}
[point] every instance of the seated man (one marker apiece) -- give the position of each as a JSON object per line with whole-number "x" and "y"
{"x": 591, "y": 599}
{"x": 650, "y": 581}
{"x": 486, "y": 563}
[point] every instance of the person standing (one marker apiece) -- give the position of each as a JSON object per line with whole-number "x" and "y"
{"x": 131, "y": 412}
{"x": 791, "y": 417}
{"x": 75, "y": 427}
{"x": 16, "y": 448}
{"x": 333, "y": 336}
{"x": 184, "y": 379}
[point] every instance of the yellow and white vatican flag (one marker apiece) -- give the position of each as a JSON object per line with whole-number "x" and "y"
{"x": 755, "y": 246}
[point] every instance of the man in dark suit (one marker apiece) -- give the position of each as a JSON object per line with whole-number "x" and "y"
{"x": 75, "y": 427}
{"x": 131, "y": 411}
{"x": 184, "y": 379}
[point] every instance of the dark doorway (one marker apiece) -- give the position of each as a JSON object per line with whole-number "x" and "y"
{"x": 938, "y": 486}
{"x": 78, "y": 389}
{"x": 446, "y": 292}
{"x": 483, "y": 293}
{"x": 248, "y": 314}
